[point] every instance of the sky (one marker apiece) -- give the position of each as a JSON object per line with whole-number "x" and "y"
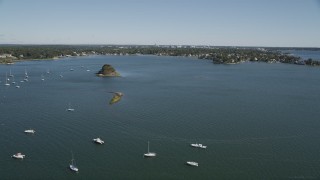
{"x": 273, "y": 23}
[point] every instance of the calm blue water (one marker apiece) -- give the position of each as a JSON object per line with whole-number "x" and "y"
{"x": 306, "y": 54}
{"x": 259, "y": 120}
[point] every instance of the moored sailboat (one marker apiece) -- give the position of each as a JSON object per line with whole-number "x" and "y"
{"x": 149, "y": 154}
{"x": 72, "y": 165}
{"x": 69, "y": 108}
{"x": 7, "y": 84}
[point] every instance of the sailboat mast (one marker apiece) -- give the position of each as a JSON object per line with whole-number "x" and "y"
{"x": 72, "y": 158}
{"x": 148, "y": 147}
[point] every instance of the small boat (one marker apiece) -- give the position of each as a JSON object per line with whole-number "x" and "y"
{"x": 71, "y": 69}
{"x": 7, "y": 84}
{"x": 18, "y": 156}
{"x": 26, "y": 73}
{"x": 17, "y": 86}
{"x": 42, "y": 78}
{"x": 73, "y": 166}
{"x": 69, "y": 108}
{"x": 13, "y": 82}
{"x": 149, "y": 154}
{"x": 196, "y": 145}
{"x": 10, "y": 75}
{"x": 98, "y": 141}
{"x": 192, "y": 163}
{"x": 29, "y": 131}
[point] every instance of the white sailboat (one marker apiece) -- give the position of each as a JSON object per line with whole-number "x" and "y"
{"x": 72, "y": 165}
{"x": 10, "y": 75}
{"x": 42, "y": 77}
{"x": 69, "y": 108}
{"x": 13, "y": 82}
{"x": 149, "y": 154}
{"x": 26, "y": 73}
{"x": 7, "y": 84}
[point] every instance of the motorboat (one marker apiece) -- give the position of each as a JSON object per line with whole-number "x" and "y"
{"x": 69, "y": 108}
{"x": 98, "y": 141}
{"x": 192, "y": 163}
{"x": 29, "y": 131}
{"x": 18, "y": 156}
{"x": 196, "y": 145}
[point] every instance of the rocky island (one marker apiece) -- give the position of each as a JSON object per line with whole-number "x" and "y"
{"x": 107, "y": 70}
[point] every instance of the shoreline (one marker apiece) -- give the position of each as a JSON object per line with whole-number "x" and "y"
{"x": 228, "y": 56}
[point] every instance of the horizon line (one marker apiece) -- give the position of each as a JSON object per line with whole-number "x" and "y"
{"x": 92, "y": 44}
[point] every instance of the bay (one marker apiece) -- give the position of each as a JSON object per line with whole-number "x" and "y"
{"x": 305, "y": 54}
{"x": 259, "y": 120}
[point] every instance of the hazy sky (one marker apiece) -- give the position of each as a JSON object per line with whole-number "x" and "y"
{"x": 198, "y": 22}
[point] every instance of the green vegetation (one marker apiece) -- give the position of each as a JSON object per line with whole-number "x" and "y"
{"x": 218, "y": 55}
{"x": 107, "y": 70}
{"x": 116, "y": 98}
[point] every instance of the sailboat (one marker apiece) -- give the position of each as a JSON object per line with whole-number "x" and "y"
{"x": 13, "y": 82}
{"x": 7, "y": 84}
{"x": 26, "y": 73}
{"x": 73, "y": 166}
{"x": 42, "y": 77}
{"x": 10, "y": 75}
{"x": 149, "y": 154}
{"x": 69, "y": 108}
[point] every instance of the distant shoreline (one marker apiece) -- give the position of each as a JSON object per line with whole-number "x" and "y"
{"x": 218, "y": 55}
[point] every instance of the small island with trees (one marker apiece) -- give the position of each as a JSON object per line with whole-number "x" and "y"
{"x": 107, "y": 71}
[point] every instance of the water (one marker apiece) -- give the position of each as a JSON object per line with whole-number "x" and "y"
{"x": 305, "y": 54}
{"x": 259, "y": 120}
